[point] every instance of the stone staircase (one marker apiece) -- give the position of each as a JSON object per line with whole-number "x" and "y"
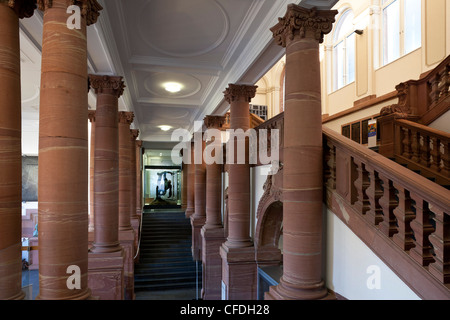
{"x": 165, "y": 253}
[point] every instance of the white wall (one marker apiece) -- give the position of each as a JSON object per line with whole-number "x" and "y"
{"x": 348, "y": 262}
{"x": 442, "y": 123}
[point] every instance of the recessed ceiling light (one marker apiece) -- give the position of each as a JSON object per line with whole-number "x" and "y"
{"x": 165, "y": 128}
{"x": 173, "y": 87}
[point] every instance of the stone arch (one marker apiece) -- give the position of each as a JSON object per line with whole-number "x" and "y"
{"x": 269, "y": 222}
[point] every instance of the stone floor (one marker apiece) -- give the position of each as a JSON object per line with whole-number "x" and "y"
{"x": 30, "y": 285}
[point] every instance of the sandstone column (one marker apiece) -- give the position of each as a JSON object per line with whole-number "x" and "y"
{"x": 199, "y": 217}
{"x": 133, "y": 180}
{"x": 106, "y": 257}
{"x": 91, "y": 116}
{"x": 191, "y": 185}
{"x": 106, "y": 171}
{"x": 11, "y": 149}
{"x": 212, "y": 232}
{"x": 139, "y": 178}
{"x": 126, "y": 232}
{"x": 63, "y": 153}
{"x": 239, "y": 271}
{"x": 300, "y": 31}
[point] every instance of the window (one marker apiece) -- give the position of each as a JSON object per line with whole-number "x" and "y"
{"x": 344, "y": 51}
{"x": 401, "y": 28}
{"x": 260, "y": 111}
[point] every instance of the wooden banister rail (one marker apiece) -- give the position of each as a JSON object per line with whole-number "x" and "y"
{"x": 402, "y": 216}
{"x": 423, "y": 148}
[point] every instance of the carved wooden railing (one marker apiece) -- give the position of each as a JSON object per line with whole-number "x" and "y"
{"x": 423, "y": 148}
{"x": 403, "y": 217}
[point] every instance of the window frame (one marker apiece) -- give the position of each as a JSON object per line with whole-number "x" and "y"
{"x": 342, "y": 38}
{"x": 402, "y": 30}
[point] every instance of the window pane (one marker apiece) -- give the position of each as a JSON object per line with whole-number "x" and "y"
{"x": 350, "y": 58}
{"x": 413, "y": 25}
{"x": 391, "y": 32}
{"x": 339, "y": 64}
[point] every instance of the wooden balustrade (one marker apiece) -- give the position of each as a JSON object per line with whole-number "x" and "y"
{"x": 423, "y": 148}
{"x": 410, "y": 212}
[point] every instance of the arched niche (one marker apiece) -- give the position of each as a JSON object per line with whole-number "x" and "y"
{"x": 269, "y": 222}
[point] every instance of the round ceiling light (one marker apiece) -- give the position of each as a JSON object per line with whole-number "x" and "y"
{"x": 165, "y": 128}
{"x": 173, "y": 87}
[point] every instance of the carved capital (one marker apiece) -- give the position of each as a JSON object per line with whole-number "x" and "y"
{"x": 134, "y": 134}
{"x": 90, "y": 9}
{"x": 91, "y": 115}
{"x": 23, "y": 8}
{"x": 126, "y": 117}
{"x": 214, "y": 122}
{"x": 235, "y": 91}
{"x": 304, "y": 23}
{"x": 107, "y": 84}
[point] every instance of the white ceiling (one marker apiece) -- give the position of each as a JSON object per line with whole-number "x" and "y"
{"x": 202, "y": 44}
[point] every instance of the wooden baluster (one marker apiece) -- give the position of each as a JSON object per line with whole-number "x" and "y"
{"x": 422, "y": 252}
{"x": 406, "y": 143}
{"x": 444, "y": 84}
{"x": 434, "y": 92}
{"x": 435, "y": 164}
{"x": 362, "y": 203}
{"x": 415, "y": 146}
{"x": 425, "y": 151}
{"x": 404, "y": 215}
{"x": 441, "y": 243}
{"x": 374, "y": 192}
{"x": 388, "y": 203}
{"x": 446, "y": 159}
{"x": 330, "y": 165}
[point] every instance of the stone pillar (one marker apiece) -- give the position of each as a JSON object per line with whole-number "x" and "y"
{"x": 239, "y": 269}
{"x": 11, "y": 149}
{"x": 126, "y": 232}
{"x": 91, "y": 116}
{"x": 191, "y": 185}
{"x": 139, "y": 178}
{"x": 135, "y": 220}
{"x": 300, "y": 31}
{"x": 199, "y": 217}
{"x": 106, "y": 257}
{"x": 184, "y": 183}
{"x": 213, "y": 232}
{"x": 63, "y": 153}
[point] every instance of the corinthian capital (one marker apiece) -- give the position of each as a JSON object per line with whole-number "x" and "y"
{"x": 23, "y": 8}
{"x": 126, "y": 117}
{"x": 106, "y": 84}
{"x": 235, "y": 91}
{"x": 214, "y": 122}
{"x": 303, "y": 22}
{"x": 90, "y": 9}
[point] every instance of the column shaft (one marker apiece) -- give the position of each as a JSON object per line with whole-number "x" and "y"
{"x": 199, "y": 217}
{"x": 303, "y": 173}
{"x": 106, "y": 168}
{"x": 191, "y": 185}
{"x": 11, "y": 157}
{"x": 91, "y": 116}
{"x": 63, "y": 155}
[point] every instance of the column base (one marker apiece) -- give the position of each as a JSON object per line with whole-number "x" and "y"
{"x": 126, "y": 239}
{"x": 189, "y": 212}
{"x": 212, "y": 239}
{"x": 286, "y": 291}
{"x": 106, "y": 275}
{"x": 239, "y": 273}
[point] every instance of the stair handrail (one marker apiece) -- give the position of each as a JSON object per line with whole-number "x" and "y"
{"x": 140, "y": 236}
{"x": 410, "y": 212}
{"x": 421, "y": 146}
